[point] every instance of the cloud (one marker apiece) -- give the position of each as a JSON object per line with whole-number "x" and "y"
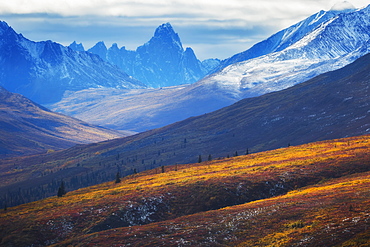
{"x": 213, "y": 28}
{"x": 342, "y": 6}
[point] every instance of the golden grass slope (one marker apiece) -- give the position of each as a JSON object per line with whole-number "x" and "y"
{"x": 310, "y": 195}
{"x": 333, "y": 213}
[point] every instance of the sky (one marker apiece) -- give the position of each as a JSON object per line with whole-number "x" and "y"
{"x": 213, "y": 28}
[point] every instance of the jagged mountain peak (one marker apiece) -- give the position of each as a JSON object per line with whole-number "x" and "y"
{"x": 189, "y": 51}
{"x": 100, "y": 45}
{"x": 165, "y": 34}
{"x": 3, "y": 25}
{"x": 76, "y": 47}
{"x": 99, "y": 49}
{"x": 164, "y": 30}
{"x": 114, "y": 46}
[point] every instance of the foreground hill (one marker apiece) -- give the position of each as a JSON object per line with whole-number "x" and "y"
{"x": 333, "y": 105}
{"x": 28, "y": 128}
{"x": 327, "y": 204}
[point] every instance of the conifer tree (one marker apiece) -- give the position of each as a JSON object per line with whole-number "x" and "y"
{"x": 60, "y": 193}
{"x": 118, "y": 179}
{"x": 200, "y": 159}
{"x": 61, "y": 190}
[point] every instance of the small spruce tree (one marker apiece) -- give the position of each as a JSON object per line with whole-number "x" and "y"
{"x": 118, "y": 179}
{"x": 61, "y": 190}
{"x": 60, "y": 193}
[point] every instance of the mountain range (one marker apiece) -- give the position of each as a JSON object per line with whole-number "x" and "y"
{"x": 332, "y": 105}
{"x": 28, "y": 128}
{"x": 267, "y": 169}
{"x": 44, "y": 71}
{"x": 161, "y": 62}
{"x": 323, "y": 42}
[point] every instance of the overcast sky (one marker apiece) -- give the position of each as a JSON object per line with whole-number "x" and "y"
{"x": 213, "y": 28}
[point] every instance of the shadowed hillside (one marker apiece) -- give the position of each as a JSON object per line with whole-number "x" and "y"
{"x": 28, "y": 128}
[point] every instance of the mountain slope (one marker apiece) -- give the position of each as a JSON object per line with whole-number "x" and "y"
{"x": 43, "y": 71}
{"x": 27, "y": 128}
{"x": 160, "y": 62}
{"x": 245, "y": 198}
{"x": 138, "y": 109}
{"x": 333, "y": 105}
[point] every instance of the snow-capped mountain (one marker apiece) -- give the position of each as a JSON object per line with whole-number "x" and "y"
{"x": 307, "y": 49}
{"x": 160, "y": 62}
{"x": 285, "y": 37}
{"x": 43, "y": 71}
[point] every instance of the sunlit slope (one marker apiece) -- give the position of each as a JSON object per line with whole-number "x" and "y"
{"x": 336, "y": 169}
{"x": 332, "y": 213}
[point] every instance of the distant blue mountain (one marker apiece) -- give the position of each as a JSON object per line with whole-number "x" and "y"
{"x": 160, "y": 62}
{"x": 44, "y": 71}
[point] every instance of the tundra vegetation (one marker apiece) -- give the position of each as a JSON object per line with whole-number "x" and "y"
{"x": 315, "y": 194}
